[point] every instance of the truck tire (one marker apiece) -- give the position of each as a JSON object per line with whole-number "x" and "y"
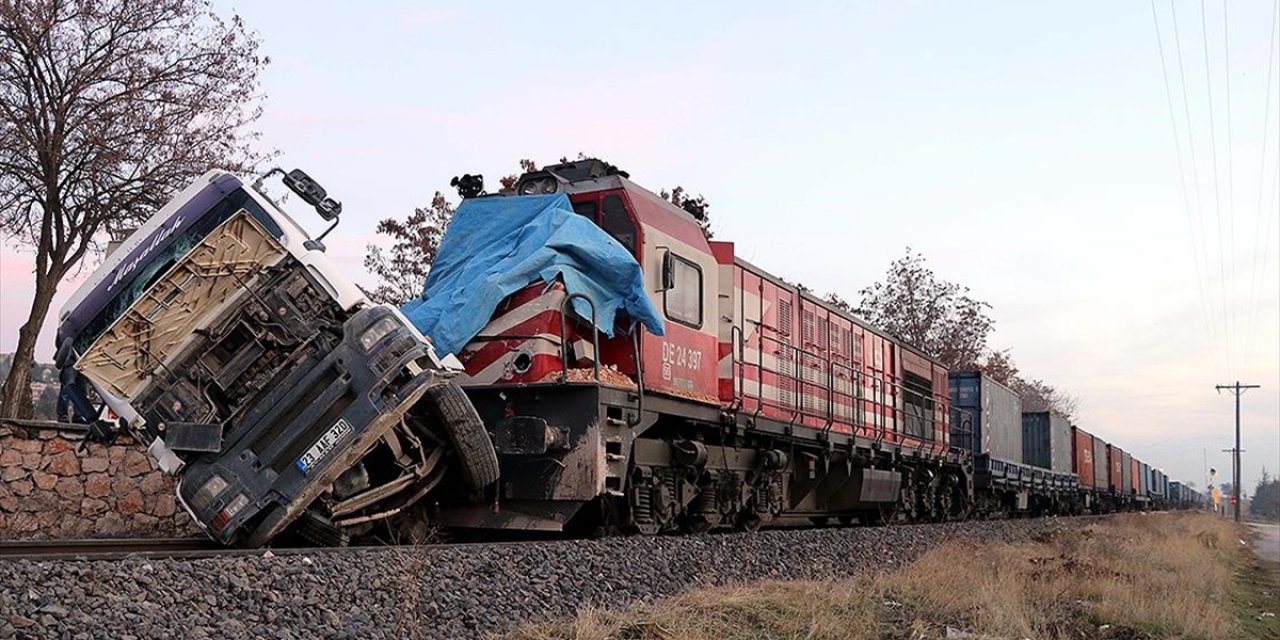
{"x": 451, "y": 409}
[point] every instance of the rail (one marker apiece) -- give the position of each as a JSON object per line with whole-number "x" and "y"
{"x": 105, "y": 548}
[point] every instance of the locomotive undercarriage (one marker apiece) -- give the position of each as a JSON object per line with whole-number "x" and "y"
{"x": 584, "y": 457}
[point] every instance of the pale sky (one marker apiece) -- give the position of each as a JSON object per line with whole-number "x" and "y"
{"x": 1024, "y": 148}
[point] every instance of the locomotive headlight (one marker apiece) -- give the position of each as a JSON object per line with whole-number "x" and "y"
{"x": 536, "y": 186}
{"x": 378, "y": 331}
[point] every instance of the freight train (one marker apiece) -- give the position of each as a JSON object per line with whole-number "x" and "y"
{"x": 758, "y": 404}
{"x": 584, "y": 358}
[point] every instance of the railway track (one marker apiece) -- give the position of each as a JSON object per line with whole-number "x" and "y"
{"x": 110, "y": 549}
{"x": 192, "y": 548}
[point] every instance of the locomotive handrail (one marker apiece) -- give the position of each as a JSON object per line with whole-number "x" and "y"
{"x": 595, "y": 336}
{"x": 736, "y": 366}
{"x": 635, "y": 346}
{"x": 801, "y": 372}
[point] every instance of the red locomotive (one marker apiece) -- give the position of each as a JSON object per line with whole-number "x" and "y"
{"x": 760, "y": 404}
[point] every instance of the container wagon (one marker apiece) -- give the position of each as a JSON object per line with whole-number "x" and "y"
{"x": 1047, "y": 447}
{"x": 1126, "y": 476}
{"x": 1115, "y": 478}
{"x": 1003, "y": 481}
{"x": 1089, "y": 462}
{"x": 1144, "y": 484}
{"x": 1101, "y": 468}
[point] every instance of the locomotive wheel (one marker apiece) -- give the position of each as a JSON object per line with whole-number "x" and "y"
{"x": 477, "y": 459}
{"x": 749, "y": 521}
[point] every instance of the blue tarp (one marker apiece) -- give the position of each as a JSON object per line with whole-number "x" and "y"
{"x": 497, "y": 246}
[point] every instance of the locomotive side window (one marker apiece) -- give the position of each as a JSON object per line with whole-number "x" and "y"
{"x": 617, "y": 223}
{"x": 586, "y": 209}
{"x": 682, "y": 302}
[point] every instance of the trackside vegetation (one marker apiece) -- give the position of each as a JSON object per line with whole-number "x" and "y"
{"x": 1129, "y": 576}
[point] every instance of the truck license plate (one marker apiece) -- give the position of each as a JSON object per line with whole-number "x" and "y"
{"x": 324, "y": 445}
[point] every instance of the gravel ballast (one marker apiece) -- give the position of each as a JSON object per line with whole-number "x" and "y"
{"x": 438, "y": 592}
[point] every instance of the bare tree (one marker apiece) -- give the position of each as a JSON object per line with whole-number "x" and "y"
{"x": 697, "y": 206}
{"x": 402, "y": 270}
{"x": 999, "y": 365}
{"x": 508, "y": 182}
{"x": 840, "y": 303}
{"x": 936, "y": 316}
{"x": 107, "y": 107}
{"x": 1036, "y": 394}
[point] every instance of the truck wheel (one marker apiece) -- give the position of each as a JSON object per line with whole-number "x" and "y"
{"x": 451, "y": 408}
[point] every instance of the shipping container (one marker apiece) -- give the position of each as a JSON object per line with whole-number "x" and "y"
{"x": 1126, "y": 473}
{"x": 996, "y": 412}
{"x": 1115, "y": 466}
{"x": 1082, "y": 456}
{"x": 1144, "y": 479}
{"x": 1046, "y": 441}
{"x": 1101, "y": 464}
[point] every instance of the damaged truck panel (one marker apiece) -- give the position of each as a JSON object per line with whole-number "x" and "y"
{"x": 223, "y": 338}
{"x": 170, "y": 312}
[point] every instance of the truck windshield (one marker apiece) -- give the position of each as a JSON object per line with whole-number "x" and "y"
{"x": 178, "y": 247}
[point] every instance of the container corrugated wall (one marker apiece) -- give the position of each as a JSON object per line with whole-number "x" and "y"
{"x": 1046, "y": 441}
{"x": 1144, "y": 479}
{"x": 996, "y": 412}
{"x": 1115, "y": 468}
{"x": 1101, "y": 466}
{"x": 1126, "y": 472}
{"x": 1082, "y": 457}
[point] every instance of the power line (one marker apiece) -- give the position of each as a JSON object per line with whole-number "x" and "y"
{"x": 1195, "y": 168}
{"x": 1231, "y": 186}
{"x": 1258, "y": 275}
{"x": 1182, "y": 175}
{"x": 1217, "y": 196}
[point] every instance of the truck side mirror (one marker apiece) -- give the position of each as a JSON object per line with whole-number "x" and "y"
{"x": 309, "y": 190}
{"x": 312, "y": 193}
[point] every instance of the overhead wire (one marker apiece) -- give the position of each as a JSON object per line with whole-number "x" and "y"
{"x": 1231, "y": 188}
{"x": 1257, "y": 279}
{"x": 1217, "y": 194}
{"x": 1182, "y": 174}
{"x": 1214, "y": 334}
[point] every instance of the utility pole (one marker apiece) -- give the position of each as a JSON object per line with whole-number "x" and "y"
{"x": 1237, "y": 389}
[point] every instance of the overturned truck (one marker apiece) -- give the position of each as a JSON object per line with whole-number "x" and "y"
{"x": 222, "y": 337}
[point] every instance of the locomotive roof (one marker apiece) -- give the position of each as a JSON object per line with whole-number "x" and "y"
{"x": 678, "y": 218}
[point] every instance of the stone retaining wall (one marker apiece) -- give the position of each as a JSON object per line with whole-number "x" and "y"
{"x": 49, "y": 490}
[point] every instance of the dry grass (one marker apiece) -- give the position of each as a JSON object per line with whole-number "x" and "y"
{"x": 1157, "y": 575}
{"x": 817, "y": 610}
{"x": 1134, "y": 576}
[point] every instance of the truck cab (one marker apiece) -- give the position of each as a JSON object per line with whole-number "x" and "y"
{"x": 223, "y": 338}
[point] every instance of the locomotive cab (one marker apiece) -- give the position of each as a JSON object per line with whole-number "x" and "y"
{"x": 680, "y": 277}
